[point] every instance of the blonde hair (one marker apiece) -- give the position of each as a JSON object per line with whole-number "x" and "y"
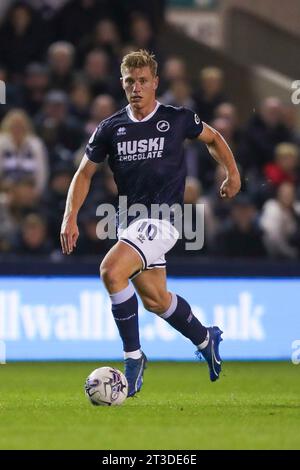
{"x": 11, "y": 116}
{"x": 138, "y": 59}
{"x": 286, "y": 148}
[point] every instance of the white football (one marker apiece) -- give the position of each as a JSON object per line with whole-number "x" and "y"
{"x": 106, "y": 386}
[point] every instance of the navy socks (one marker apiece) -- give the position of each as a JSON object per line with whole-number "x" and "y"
{"x": 180, "y": 316}
{"x": 125, "y": 312}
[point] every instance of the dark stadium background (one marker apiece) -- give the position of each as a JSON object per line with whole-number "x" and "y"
{"x": 236, "y": 63}
{"x": 60, "y": 62}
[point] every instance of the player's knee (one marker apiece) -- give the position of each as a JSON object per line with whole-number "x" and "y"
{"x": 111, "y": 275}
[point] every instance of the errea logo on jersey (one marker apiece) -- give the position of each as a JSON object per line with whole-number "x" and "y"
{"x": 163, "y": 126}
{"x": 121, "y": 131}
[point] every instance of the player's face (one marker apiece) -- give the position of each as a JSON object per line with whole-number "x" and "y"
{"x": 140, "y": 87}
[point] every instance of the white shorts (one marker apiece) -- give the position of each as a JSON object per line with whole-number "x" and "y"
{"x": 151, "y": 239}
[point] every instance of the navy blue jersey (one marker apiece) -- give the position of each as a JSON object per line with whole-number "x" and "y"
{"x": 146, "y": 157}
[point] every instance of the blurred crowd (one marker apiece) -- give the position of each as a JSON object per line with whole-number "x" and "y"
{"x": 60, "y": 62}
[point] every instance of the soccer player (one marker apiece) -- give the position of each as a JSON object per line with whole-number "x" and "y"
{"x": 144, "y": 145}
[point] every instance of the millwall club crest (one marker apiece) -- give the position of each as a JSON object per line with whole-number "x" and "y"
{"x": 163, "y": 126}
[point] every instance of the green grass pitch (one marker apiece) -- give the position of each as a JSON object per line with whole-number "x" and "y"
{"x": 253, "y": 406}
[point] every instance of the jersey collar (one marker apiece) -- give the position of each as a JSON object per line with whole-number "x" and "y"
{"x": 146, "y": 118}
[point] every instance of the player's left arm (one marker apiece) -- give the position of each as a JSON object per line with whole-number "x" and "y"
{"x": 221, "y": 152}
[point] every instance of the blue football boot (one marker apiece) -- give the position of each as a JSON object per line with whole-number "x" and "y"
{"x": 134, "y": 371}
{"x": 211, "y": 352}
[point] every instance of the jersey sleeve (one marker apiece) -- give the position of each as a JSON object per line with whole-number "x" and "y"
{"x": 98, "y": 145}
{"x": 193, "y": 124}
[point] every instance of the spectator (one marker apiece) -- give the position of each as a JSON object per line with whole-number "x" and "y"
{"x": 8, "y": 225}
{"x": 210, "y": 92}
{"x": 97, "y": 73}
{"x": 290, "y": 120}
{"x": 241, "y": 236}
{"x": 106, "y": 37}
{"x": 197, "y": 222}
{"x": 264, "y": 131}
{"x": 22, "y": 153}
{"x": 67, "y": 104}
{"x": 220, "y": 208}
{"x": 262, "y": 185}
{"x": 285, "y": 166}
{"x": 229, "y": 112}
{"x": 173, "y": 69}
{"x": 82, "y": 13}
{"x": 179, "y": 94}
{"x": 200, "y": 162}
{"x": 80, "y": 100}
{"x": 93, "y": 239}
{"x": 55, "y": 196}
{"x": 141, "y": 33}
{"x": 36, "y": 83}
{"x": 56, "y": 126}
{"x": 61, "y": 57}
{"x": 13, "y": 92}
{"x": 23, "y": 36}
{"x": 153, "y": 11}
{"x": 33, "y": 238}
{"x": 23, "y": 199}
{"x": 193, "y": 194}
{"x": 227, "y": 130}
{"x": 280, "y": 221}
{"x": 47, "y": 8}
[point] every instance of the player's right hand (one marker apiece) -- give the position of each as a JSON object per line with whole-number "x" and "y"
{"x": 69, "y": 234}
{"x": 231, "y": 186}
